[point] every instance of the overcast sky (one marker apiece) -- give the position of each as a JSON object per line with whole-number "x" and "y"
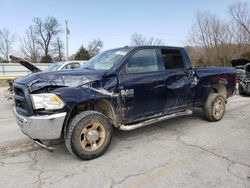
{"x": 112, "y": 21}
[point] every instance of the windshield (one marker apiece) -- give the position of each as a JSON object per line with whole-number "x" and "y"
{"x": 106, "y": 60}
{"x": 53, "y": 67}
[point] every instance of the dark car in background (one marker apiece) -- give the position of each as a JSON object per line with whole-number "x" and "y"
{"x": 242, "y": 67}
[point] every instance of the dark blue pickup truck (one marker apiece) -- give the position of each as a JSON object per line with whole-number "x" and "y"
{"x": 124, "y": 88}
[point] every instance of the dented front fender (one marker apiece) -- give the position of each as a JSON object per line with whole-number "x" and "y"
{"x": 74, "y": 96}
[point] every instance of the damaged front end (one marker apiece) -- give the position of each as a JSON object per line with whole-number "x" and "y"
{"x": 9, "y": 92}
{"x": 40, "y": 81}
{"x": 38, "y": 118}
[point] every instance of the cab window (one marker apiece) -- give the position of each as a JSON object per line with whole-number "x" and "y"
{"x": 142, "y": 61}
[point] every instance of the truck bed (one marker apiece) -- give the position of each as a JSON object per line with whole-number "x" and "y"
{"x": 209, "y": 76}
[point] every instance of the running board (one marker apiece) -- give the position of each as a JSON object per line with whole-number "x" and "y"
{"x": 154, "y": 120}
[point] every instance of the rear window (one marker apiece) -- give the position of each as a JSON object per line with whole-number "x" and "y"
{"x": 172, "y": 59}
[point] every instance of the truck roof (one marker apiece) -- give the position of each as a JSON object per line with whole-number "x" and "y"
{"x": 152, "y": 46}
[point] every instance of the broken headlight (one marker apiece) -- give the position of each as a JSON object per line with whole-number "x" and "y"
{"x": 47, "y": 101}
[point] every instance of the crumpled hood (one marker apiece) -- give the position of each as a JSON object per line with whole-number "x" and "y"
{"x": 25, "y": 63}
{"x": 72, "y": 78}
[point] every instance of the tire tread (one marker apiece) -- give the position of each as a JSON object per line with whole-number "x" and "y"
{"x": 208, "y": 109}
{"x": 73, "y": 124}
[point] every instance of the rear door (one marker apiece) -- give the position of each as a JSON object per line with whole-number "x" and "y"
{"x": 179, "y": 81}
{"x": 138, "y": 84}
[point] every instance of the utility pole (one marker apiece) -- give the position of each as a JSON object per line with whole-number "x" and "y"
{"x": 67, "y": 33}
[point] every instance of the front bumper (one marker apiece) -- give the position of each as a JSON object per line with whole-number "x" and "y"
{"x": 45, "y": 127}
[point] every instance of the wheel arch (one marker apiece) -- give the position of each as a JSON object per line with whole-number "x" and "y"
{"x": 103, "y": 106}
{"x": 221, "y": 89}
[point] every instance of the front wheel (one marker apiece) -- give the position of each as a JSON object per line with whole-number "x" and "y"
{"x": 89, "y": 135}
{"x": 214, "y": 107}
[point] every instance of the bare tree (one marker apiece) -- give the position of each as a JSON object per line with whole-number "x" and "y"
{"x": 138, "y": 39}
{"x": 240, "y": 12}
{"x": 58, "y": 49}
{"x": 220, "y": 41}
{"x": 29, "y": 45}
{"x": 46, "y": 30}
{"x": 200, "y": 35}
{"x": 94, "y": 47}
{"x": 154, "y": 41}
{"x": 6, "y": 43}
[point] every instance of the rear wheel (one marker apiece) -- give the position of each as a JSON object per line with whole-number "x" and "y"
{"x": 214, "y": 107}
{"x": 89, "y": 135}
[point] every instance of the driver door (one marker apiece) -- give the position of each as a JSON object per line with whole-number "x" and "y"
{"x": 138, "y": 85}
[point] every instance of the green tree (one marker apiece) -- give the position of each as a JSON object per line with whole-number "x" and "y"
{"x": 82, "y": 54}
{"x": 46, "y": 59}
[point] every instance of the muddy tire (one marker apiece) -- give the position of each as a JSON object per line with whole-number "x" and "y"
{"x": 214, "y": 107}
{"x": 89, "y": 135}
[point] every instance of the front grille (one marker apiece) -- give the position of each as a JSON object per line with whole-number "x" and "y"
{"x": 22, "y": 100}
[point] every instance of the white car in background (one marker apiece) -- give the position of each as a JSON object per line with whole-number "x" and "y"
{"x": 66, "y": 65}
{"x": 63, "y": 65}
